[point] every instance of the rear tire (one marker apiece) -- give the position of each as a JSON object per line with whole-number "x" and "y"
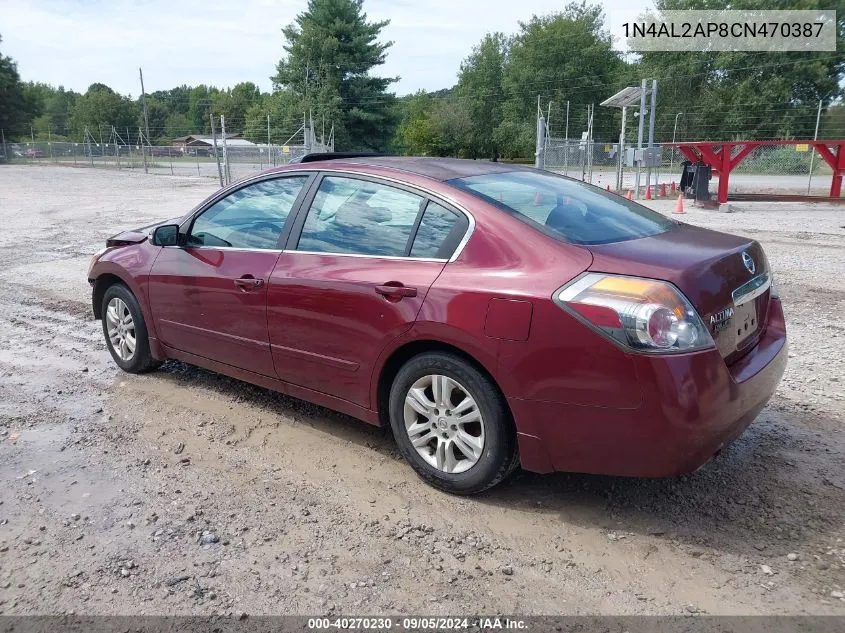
{"x": 126, "y": 331}
{"x": 451, "y": 424}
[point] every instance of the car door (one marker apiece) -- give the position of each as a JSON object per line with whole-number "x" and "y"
{"x": 352, "y": 279}
{"x": 209, "y": 295}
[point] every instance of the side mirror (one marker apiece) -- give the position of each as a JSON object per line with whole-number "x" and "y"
{"x": 166, "y": 235}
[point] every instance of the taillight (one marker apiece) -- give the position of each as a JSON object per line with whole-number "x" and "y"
{"x": 641, "y": 314}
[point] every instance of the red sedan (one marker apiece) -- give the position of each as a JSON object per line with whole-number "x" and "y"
{"x": 491, "y": 315}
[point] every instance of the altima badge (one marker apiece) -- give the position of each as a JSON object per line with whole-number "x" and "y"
{"x": 749, "y": 263}
{"x": 719, "y": 320}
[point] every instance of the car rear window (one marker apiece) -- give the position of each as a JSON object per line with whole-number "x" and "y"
{"x": 564, "y": 208}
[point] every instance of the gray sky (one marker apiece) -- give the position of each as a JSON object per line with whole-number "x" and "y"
{"x": 75, "y": 43}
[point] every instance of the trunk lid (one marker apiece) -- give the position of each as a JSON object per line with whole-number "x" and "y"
{"x": 708, "y": 267}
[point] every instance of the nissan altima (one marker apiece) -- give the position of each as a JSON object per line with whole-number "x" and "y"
{"x": 491, "y": 316}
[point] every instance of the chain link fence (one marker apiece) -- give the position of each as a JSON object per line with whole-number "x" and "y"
{"x": 233, "y": 164}
{"x": 767, "y": 169}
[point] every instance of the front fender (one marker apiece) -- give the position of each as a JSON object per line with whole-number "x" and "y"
{"x": 131, "y": 265}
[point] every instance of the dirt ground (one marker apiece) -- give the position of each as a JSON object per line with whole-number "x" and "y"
{"x": 184, "y": 492}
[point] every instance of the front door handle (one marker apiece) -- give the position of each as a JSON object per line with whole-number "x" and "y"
{"x": 395, "y": 291}
{"x": 248, "y": 283}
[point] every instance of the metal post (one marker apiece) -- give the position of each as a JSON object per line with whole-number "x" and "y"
{"x": 674, "y": 132}
{"x": 146, "y": 118}
{"x": 143, "y": 150}
{"x": 116, "y": 146}
{"x": 268, "y": 143}
{"x": 216, "y": 153}
{"x": 651, "y": 129}
{"x": 620, "y": 173}
{"x": 50, "y": 142}
{"x": 643, "y": 88}
{"x": 566, "y": 144}
{"x": 591, "y": 156}
{"x": 539, "y": 153}
{"x": 3, "y": 136}
{"x": 813, "y": 153}
{"x": 225, "y": 152}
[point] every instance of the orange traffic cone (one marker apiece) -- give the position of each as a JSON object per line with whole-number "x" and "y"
{"x": 629, "y": 195}
{"x": 648, "y": 192}
{"x": 663, "y": 190}
{"x": 679, "y": 206}
{"x": 672, "y": 188}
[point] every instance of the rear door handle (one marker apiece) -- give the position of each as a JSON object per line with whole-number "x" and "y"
{"x": 396, "y": 291}
{"x": 248, "y": 283}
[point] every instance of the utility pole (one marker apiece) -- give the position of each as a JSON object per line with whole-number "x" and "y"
{"x": 146, "y": 118}
{"x": 216, "y": 154}
{"x": 813, "y": 154}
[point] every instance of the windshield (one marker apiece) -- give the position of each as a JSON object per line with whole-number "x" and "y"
{"x": 565, "y": 208}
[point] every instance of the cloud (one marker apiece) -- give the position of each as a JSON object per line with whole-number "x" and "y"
{"x": 75, "y": 43}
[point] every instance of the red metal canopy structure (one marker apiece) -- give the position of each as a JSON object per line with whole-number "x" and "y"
{"x": 724, "y": 156}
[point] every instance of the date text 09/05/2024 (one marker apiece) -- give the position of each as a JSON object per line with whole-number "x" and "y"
{"x": 416, "y": 623}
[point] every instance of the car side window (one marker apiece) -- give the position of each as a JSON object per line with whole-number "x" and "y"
{"x": 359, "y": 217}
{"x": 439, "y": 232}
{"x": 251, "y": 217}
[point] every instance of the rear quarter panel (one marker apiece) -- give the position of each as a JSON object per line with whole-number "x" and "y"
{"x": 559, "y": 359}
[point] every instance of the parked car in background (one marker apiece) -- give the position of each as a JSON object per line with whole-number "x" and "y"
{"x": 34, "y": 152}
{"x": 490, "y": 315}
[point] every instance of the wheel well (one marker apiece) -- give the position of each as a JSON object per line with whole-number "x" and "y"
{"x": 101, "y": 284}
{"x": 406, "y": 353}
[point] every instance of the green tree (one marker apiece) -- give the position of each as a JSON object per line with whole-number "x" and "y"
{"x": 18, "y": 107}
{"x": 157, "y": 115}
{"x": 482, "y": 95}
{"x": 200, "y": 99}
{"x": 177, "y": 124}
{"x": 330, "y": 50}
{"x": 285, "y": 109}
{"x": 234, "y": 104}
{"x": 562, "y": 56}
{"x": 832, "y": 124}
{"x": 418, "y": 132}
{"x": 99, "y": 109}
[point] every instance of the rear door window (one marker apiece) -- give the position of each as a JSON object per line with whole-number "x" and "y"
{"x": 567, "y": 209}
{"x": 439, "y": 232}
{"x": 352, "y": 216}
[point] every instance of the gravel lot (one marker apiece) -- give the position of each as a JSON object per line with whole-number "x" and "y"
{"x": 186, "y": 492}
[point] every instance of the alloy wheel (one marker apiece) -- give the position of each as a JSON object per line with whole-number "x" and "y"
{"x": 444, "y": 423}
{"x": 121, "y": 328}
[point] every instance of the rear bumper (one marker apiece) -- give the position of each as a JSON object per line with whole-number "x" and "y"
{"x": 693, "y": 405}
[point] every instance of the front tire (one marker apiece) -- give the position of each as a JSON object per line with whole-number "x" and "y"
{"x": 126, "y": 331}
{"x": 451, "y": 424}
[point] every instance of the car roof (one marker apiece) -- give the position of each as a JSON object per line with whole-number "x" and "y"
{"x": 436, "y": 168}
